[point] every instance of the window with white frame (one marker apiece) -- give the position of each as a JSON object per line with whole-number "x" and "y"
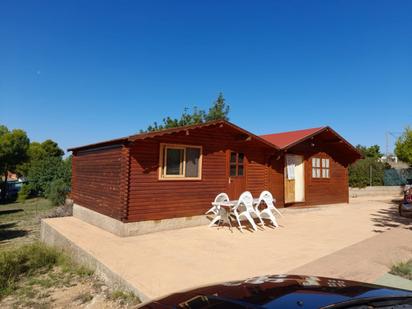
{"x": 180, "y": 162}
{"x": 315, "y": 167}
{"x": 325, "y": 168}
{"x": 320, "y": 168}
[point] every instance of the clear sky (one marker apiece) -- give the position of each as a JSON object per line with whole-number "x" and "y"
{"x": 79, "y": 72}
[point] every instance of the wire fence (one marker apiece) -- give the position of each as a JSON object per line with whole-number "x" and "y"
{"x": 397, "y": 177}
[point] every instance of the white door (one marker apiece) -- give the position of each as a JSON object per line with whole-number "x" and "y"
{"x": 294, "y": 179}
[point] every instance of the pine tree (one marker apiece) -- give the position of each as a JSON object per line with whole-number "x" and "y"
{"x": 218, "y": 111}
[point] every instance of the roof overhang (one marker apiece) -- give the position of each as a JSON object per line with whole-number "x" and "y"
{"x": 147, "y": 135}
{"x": 334, "y": 140}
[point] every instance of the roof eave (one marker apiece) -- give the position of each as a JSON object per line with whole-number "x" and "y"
{"x": 141, "y": 136}
{"x": 327, "y": 128}
{"x": 121, "y": 140}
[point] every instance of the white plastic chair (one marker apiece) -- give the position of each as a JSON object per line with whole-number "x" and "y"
{"x": 221, "y": 197}
{"x": 268, "y": 199}
{"x": 244, "y": 208}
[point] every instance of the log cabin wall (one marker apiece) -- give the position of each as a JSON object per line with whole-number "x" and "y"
{"x": 99, "y": 180}
{"x": 154, "y": 199}
{"x": 334, "y": 189}
{"x": 320, "y": 191}
{"x": 276, "y": 180}
{"x": 121, "y": 178}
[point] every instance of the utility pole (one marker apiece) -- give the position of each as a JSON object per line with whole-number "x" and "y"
{"x": 387, "y": 145}
{"x": 388, "y": 135}
{"x": 370, "y": 176}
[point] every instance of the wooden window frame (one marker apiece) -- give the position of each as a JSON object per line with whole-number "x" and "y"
{"x": 162, "y": 162}
{"x": 236, "y": 164}
{"x": 321, "y": 168}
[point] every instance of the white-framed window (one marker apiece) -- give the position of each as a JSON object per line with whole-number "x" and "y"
{"x": 325, "y": 168}
{"x": 180, "y": 162}
{"x": 320, "y": 168}
{"x": 315, "y": 167}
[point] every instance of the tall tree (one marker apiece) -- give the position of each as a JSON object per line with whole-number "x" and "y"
{"x": 37, "y": 152}
{"x": 370, "y": 152}
{"x": 13, "y": 151}
{"x": 52, "y": 149}
{"x": 218, "y": 110}
{"x": 403, "y": 146}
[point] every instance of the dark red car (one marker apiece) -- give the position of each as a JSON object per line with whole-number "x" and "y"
{"x": 287, "y": 291}
{"x": 405, "y": 207}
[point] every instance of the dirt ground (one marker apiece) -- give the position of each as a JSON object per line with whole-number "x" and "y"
{"x": 20, "y": 225}
{"x": 74, "y": 293}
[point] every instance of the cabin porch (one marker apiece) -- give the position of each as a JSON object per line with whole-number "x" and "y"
{"x": 160, "y": 263}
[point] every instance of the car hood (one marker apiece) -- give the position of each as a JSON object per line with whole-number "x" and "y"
{"x": 276, "y": 291}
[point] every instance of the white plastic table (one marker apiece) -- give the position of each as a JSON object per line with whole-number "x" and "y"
{"x": 226, "y": 208}
{"x": 231, "y": 204}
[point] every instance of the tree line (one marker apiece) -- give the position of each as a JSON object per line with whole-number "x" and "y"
{"x": 49, "y": 175}
{"x": 42, "y": 164}
{"x": 370, "y": 170}
{"x": 218, "y": 111}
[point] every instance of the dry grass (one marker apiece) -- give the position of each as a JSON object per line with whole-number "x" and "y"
{"x": 33, "y": 275}
{"x": 20, "y": 222}
{"x": 403, "y": 269}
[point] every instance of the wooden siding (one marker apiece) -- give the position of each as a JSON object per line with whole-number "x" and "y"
{"x": 334, "y": 189}
{"x": 98, "y": 181}
{"x": 153, "y": 199}
{"x": 276, "y": 182}
{"x": 124, "y": 183}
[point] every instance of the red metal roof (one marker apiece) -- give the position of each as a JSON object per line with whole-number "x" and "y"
{"x": 285, "y": 139}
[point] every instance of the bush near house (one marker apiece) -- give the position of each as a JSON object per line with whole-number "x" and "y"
{"x": 360, "y": 171}
{"x": 23, "y": 194}
{"x": 57, "y": 191}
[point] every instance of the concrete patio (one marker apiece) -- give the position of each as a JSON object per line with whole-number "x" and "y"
{"x": 161, "y": 263}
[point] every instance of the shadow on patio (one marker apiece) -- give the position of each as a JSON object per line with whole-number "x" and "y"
{"x": 386, "y": 218}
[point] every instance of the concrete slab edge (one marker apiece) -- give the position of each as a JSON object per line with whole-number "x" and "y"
{"x": 394, "y": 281}
{"x": 51, "y": 237}
{"x": 135, "y": 228}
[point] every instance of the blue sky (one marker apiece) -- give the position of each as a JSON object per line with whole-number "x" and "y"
{"x": 83, "y": 71}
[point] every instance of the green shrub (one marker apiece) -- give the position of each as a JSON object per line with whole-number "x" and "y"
{"x": 57, "y": 192}
{"x": 43, "y": 172}
{"x": 359, "y": 173}
{"x": 124, "y": 297}
{"x": 24, "y": 193}
{"x": 403, "y": 269}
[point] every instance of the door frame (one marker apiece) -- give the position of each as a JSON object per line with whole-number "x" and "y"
{"x": 231, "y": 179}
{"x": 302, "y": 181}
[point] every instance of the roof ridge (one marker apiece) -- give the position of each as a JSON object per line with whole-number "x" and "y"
{"x": 285, "y": 132}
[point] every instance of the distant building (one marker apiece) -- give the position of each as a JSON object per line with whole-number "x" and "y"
{"x": 13, "y": 177}
{"x": 394, "y": 162}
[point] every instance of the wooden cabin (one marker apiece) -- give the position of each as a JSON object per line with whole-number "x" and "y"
{"x": 175, "y": 174}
